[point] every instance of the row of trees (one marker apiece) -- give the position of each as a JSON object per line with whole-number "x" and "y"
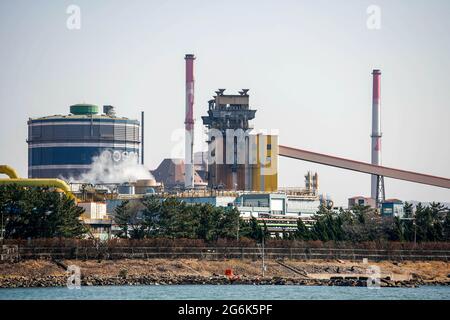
{"x": 175, "y": 219}
{"x": 28, "y": 213}
{"x": 42, "y": 213}
{"x": 38, "y": 213}
{"x": 430, "y": 223}
{"x": 172, "y": 218}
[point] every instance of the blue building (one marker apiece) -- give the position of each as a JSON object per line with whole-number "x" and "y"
{"x": 65, "y": 145}
{"x": 392, "y": 208}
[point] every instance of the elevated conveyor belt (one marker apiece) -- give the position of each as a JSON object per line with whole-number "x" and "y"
{"x": 363, "y": 167}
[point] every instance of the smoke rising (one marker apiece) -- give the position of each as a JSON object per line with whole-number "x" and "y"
{"x": 114, "y": 167}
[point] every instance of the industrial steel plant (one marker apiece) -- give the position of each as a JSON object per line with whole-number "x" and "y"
{"x": 98, "y": 159}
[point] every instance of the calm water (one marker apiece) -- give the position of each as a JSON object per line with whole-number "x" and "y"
{"x": 231, "y": 292}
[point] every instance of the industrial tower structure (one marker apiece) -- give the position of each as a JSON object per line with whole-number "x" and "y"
{"x": 239, "y": 158}
{"x": 189, "y": 123}
{"x": 227, "y": 112}
{"x": 377, "y": 182}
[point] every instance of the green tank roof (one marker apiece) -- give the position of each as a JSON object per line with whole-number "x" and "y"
{"x": 80, "y": 109}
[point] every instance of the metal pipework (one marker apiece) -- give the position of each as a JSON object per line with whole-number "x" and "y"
{"x": 9, "y": 171}
{"x": 14, "y": 179}
{"x": 189, "y": 124}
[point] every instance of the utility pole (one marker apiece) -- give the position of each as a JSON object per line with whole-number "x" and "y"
{"x": 415, "y": 232}
{"x": 413, "y": 219}
{"x": 263, "y": 262}
{"x": 2, "y": 229}
{"x": 237, "y": 234}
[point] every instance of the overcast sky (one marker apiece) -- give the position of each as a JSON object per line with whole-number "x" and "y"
{"x": 307, "y": 63}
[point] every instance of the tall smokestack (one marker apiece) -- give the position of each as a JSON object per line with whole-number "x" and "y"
{"x": 142, "y": 137}
{"x": 376, "y": 131}
{"x": 189, "y": 124}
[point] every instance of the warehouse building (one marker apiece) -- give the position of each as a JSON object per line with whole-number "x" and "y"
{"x": 170, "y": 173}
{"x": 361, "y": 201}
{"x": 392, "y": 208}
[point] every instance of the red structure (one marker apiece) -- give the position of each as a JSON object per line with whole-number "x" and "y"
{"x": 377, "y": 182}
{"x": 189, "y": 123}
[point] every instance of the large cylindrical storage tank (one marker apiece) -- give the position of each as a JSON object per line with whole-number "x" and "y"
{"x": 65, "y": 145}
{"x": 144, "y": 186}
{"x": 125, "y": 188}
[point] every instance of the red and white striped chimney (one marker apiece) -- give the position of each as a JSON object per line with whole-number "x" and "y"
{"x": 189, "y": 124}
{"x": 376, "y": 129}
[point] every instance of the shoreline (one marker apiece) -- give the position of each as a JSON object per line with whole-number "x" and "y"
{"x": 47, "y": 273}
{"x": 52, "y": 281}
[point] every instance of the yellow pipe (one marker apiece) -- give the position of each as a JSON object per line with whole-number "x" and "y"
{"x": 14, "y": 179}
{"x": 9, "y": 171}
{"x": 56, "y": 183}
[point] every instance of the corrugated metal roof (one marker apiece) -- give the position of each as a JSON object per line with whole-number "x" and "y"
{"x": 73, "y": 116}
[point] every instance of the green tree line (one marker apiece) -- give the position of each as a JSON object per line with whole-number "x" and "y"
{"x": 43, "y": 213}
{"x": 362, "y": 223}
{"x": 38, "y": 213}
{"x": 172, "y": 218}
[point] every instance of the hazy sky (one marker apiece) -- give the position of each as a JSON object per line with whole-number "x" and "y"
{"x": 307, "y": 63}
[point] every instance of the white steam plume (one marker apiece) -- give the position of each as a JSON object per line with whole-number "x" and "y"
{"x": 114, "y": 167}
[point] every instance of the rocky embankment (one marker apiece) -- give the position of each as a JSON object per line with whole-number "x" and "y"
{"x": 57, "y": 281}
{"x": 45, "y": 273}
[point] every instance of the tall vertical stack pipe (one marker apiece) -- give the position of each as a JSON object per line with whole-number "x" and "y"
{"x": 189, "y": 123}
{"x": 376, "y": 129}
